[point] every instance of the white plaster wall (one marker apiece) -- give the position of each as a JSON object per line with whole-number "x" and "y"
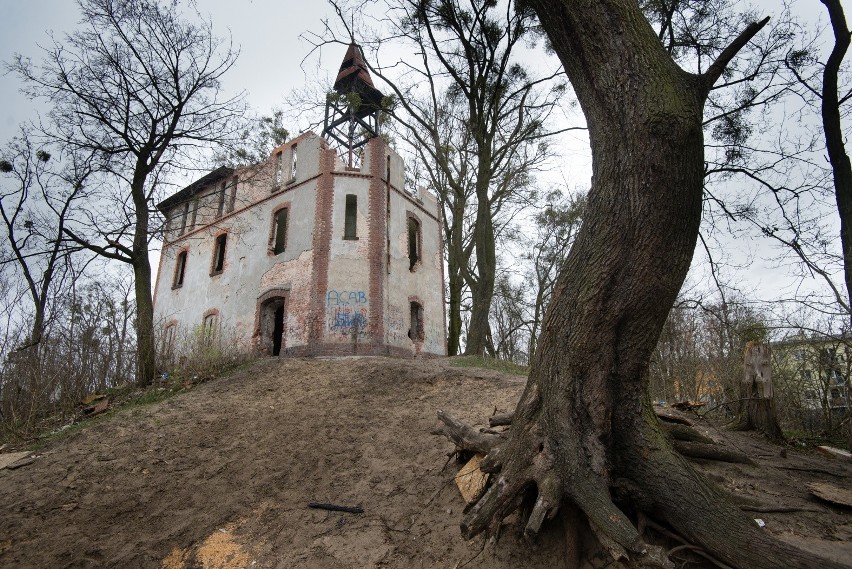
{"x": 425, "y": 282}
{"x": 347, "y": 296}
{"x": 250, "y": 268}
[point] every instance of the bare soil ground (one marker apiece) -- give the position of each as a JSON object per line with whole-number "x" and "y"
{"x": 221, "y": 477}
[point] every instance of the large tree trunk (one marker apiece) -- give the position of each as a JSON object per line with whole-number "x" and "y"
{"x": 585, "y": 426}
{"x": 834, "y": 139}
{"x": 482, "y": 286}
{"x": 456, "y": 284}
{"x": 146, "y": 367}
{"x": 455, "y": 258}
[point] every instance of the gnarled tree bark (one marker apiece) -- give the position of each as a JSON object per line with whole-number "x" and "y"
{"x": 585, "y": 423}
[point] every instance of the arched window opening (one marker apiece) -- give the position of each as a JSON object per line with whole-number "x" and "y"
{"x": 169, "y": 342}
{"x": 209, "y": 328}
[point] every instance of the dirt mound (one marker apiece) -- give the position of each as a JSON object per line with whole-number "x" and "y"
{"x": 221, "y": 477}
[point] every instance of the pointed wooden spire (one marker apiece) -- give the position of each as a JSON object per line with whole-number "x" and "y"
{"x": 354, "y": 77}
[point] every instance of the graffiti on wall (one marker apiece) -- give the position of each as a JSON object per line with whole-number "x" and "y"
{"x": 397, "y": 327}
{"x": 347, "y": 312}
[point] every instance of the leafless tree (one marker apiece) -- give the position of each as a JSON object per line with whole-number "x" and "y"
{"x": 38, "y": 194}
{"x": 138, "y": 87}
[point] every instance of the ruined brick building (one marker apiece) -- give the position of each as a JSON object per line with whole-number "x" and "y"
{"x": 317, "y": 250}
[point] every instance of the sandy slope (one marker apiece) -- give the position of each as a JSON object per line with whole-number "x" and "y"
{"x": 221, "y": 477}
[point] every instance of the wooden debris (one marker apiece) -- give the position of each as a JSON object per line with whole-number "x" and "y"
{"x": 688, "y": 405}
{"x": 97, "y": 409}
{"x": 831, "y": 493}
{"x": 20, "y": 463}
{"x": 471, "y": 480}
{"x": 835, "y": 452}
{"x": 89, "y": 399}
{"x": 336, "y": 508}
{"x": 11, "y": 458}
{"x": 465, "y": 437}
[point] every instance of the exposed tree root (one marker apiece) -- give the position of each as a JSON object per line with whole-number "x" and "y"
{"x": 710, "y": 452}
{"x": 531, "y": 473}
{"x": 673, "y": 416}
{"x": 775, "y": 509}
{"x": 666, "y": 414}
{"x": 681, "y": 432}
{"x": 686, "y": 440}
{"x": 465, "y": 437}
{"x": 500, "y": 419}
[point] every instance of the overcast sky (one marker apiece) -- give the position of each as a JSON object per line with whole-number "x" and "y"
{"x": 268, "y": 35}
{"x": 266, "y": 31}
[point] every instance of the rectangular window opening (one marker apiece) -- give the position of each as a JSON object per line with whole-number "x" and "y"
{"x": 180, "y": 270}
{"x": 184, "y": 218}
{"x": 413, "y": 243}
{"x": 194, "y": 214}
{"x": 279, "y": 168}
{"x": 209, "y": 329}
{"x": 280, "y": 230}
{"x": 232, "y": 200}
{"x": 220, "y": 206}
{"x": 219, "y": 253}
{"x": 350, "y": 229}
{"x": 416, "y": 330}
{"x": 293, "y": 164}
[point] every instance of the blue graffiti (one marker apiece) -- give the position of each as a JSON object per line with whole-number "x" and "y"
{"x": 346, "y": 297}
{"x": 347, "y": 312}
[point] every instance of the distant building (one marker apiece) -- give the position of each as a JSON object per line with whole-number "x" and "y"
{"x": 817, "y": 368}
{"x": 304, "y": 253}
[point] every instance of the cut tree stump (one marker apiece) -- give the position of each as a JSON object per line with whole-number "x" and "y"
{"x": 757, "y": 406}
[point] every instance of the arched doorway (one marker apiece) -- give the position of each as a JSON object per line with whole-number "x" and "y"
{"x": 273, "y": 315}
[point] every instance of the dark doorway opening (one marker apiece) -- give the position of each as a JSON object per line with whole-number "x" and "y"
{"x": 278, "y": 330}
{"x": 273, "y": 312}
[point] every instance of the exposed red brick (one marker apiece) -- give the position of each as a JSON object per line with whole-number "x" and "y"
{"x": 321, "y": 246}
{"x": 377, "y": 221}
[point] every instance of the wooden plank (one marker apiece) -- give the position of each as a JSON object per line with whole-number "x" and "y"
{"x": 834, "y": 452}
{"x": 831, "y": 493}
{"x": 11, "y": 458}
{"x": 471, "y": 480}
